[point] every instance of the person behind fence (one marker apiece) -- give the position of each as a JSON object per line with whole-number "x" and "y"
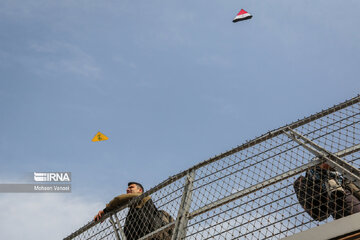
{"x": 143, "y": 217}
{"x": 324, "y": 192}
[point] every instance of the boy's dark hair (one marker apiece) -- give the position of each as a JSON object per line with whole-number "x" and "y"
{"x": 137, "y": 184}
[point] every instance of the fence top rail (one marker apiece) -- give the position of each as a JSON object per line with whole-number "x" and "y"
{"x": 262, "y": 138}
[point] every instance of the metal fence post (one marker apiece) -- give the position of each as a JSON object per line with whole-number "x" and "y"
{"x": 114, "y": 227}
{"x": 336, "y": 162}
{"x": 122, "y": 234}
{"x": 182, "y": 217}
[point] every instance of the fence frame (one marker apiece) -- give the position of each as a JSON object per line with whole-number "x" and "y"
{"x": 321, "y": 155}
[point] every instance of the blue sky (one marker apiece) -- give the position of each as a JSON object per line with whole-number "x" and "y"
{"x": 170, "y": 83}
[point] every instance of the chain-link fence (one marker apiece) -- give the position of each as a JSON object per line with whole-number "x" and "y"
{"x": 281, "y": 183}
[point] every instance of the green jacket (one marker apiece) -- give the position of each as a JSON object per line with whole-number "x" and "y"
{"x": 142, "y": 218}
{"x": 124, "y": 199}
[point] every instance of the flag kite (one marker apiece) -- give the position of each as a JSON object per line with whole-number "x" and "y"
{"x": 242, "y": 15}
{"x": 99, "y": 137}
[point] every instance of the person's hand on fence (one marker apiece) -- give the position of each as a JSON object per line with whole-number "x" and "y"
{"x": 99, "y": 216}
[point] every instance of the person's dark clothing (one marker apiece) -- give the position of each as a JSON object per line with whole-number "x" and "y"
{"x": 340, "y": 200}
{"x": 346, "y": 205}
{"x": 142, "y": 217}
{"x": 141, "y": 220}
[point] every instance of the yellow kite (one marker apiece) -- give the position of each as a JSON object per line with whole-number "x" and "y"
{"x": 99, "y": 137}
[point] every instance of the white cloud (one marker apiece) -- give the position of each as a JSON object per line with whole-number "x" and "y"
{"x": 44, "y": 216}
